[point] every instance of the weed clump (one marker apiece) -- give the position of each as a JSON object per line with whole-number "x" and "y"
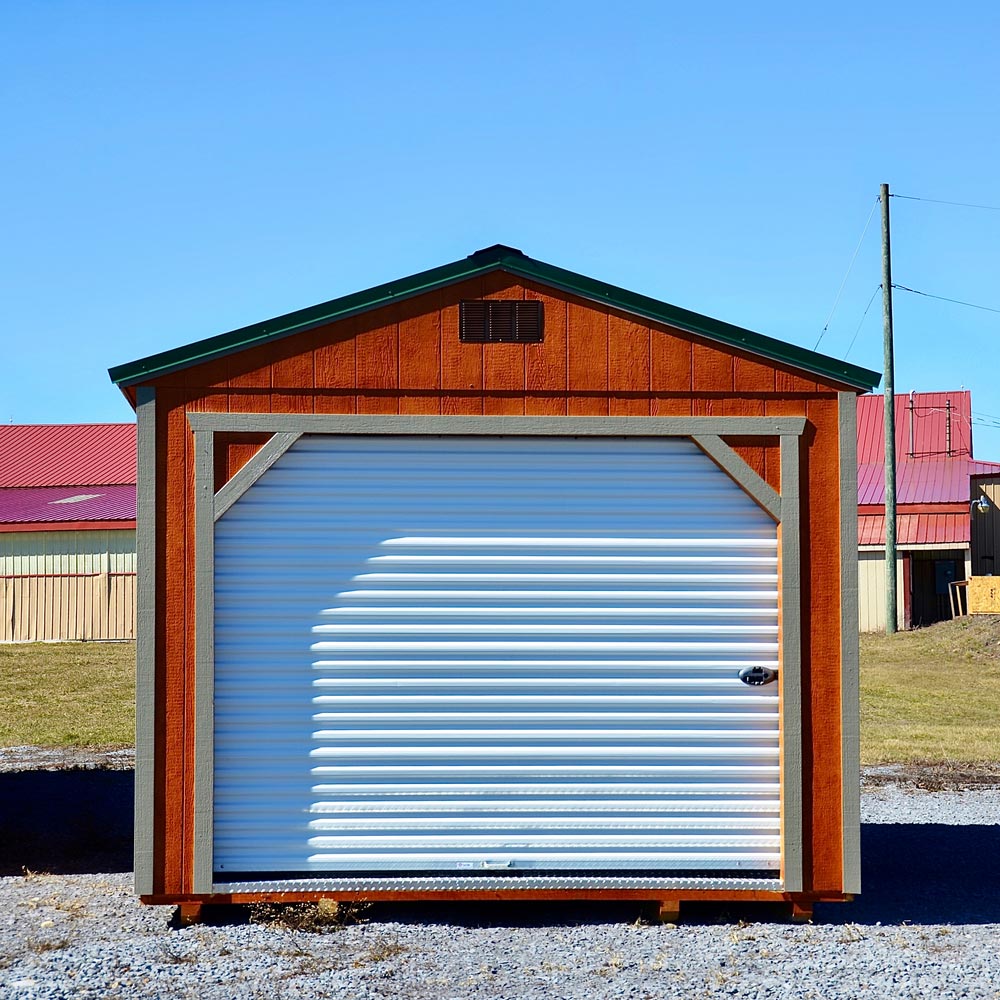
{"x": 313, "y": 918}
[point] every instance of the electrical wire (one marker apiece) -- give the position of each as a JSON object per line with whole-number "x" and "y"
{"x": 958, "y": 302}
{"x": 939, "y": 201}
{"x": 840, "y": 292}
{"x": 878, "y": 288}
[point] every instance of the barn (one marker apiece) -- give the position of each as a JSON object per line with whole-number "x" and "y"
{"x": 496, "y": 581}
{"x": 941, "y": 534}
{"x": 67, "y": 532}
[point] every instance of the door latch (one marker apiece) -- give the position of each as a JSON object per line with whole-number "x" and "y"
{"x": 757, "y": 675}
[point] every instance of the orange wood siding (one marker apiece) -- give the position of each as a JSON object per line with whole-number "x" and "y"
{"x": 587, "y": 353}
{"x": 628, "y": 367}
{"x": 503, "y": 364}
{"x": 820, "y": 482}
{"x": 546, "y": 372}
{"x": 335, "y": 369}
{"x": 408, "y": 359}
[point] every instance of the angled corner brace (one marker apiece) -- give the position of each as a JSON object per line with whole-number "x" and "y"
{"x": 253, "y": 470}
{"x": 737, "y": 469}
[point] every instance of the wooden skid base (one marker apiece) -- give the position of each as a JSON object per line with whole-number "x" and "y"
{"x": 188, "y": 914}
{"x": 666, "y": 909}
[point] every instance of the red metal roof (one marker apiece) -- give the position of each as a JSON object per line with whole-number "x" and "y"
{"x": 930, "y": 480}
{"x": 984, "y": 468}
{"x": 928, "y": 419}
{"x": 67, "y": 455}
{"x": 946, "y": 530}
{"x": 54, "y": 504}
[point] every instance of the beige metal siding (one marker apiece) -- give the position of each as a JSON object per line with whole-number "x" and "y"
{"x": 871, "y": 591}
{"x": 67, "y": 585}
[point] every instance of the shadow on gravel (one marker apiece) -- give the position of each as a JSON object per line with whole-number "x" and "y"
{"x": 80, "y": 822}
{"x": 910, "y": 872}
{"x": 924, "y": 873}
{"x": 66, "y": 822}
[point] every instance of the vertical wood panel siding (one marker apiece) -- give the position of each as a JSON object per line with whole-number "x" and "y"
{"x": 503, "y": 364}
{"x": 628, "y": 367}
{"x": 587, "y": 335}
{"x": 821, "y": 640}
{"x": 336, "y": 370}
{"x": 546, "y": 375}
{"x": 408, "y": 358}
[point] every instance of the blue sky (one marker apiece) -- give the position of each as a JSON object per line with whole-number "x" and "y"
{"x": 172, "y": 171}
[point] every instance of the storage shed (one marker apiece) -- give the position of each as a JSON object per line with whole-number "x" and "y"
{"x": 492, "y": 582}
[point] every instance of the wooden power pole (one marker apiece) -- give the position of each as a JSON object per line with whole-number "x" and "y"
{"x": 890, "y": 422}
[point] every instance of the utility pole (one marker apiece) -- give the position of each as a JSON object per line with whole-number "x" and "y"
{"x": 890, "y": 422}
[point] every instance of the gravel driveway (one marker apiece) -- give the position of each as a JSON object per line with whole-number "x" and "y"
{"x": 927, "y": 925}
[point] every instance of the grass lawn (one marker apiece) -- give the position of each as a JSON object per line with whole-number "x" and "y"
{"x": 932, "y": 694}
{"x": 928, "y": 695}
{"x": 67, "y": 694}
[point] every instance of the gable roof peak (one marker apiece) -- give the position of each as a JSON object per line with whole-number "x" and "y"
{"x": 519, "y": 264}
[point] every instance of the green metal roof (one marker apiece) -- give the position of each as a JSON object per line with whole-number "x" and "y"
{"x": 495, "y": 258}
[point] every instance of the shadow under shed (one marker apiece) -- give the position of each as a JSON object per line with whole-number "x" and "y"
{"x": 924, "y": 873}
{"x": 66, "y": 822}
{"x": 80, "y": 822}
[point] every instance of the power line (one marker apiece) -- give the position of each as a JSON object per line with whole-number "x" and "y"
{"x": 943, "y": 298}
{"x": 939, "y": 201}
{"x": 840, "y": 292}
{"x": 878, "y": 288}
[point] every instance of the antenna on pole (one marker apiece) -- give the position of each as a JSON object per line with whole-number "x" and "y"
{"x": 889, "y": 409}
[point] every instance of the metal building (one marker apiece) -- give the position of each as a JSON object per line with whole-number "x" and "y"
{"x": 67, "y": 532}
{"x": 496, "y": 581}
{"x": 936, "y": 521}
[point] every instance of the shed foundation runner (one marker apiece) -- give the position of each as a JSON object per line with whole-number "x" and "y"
{"x": 664, "y": 909}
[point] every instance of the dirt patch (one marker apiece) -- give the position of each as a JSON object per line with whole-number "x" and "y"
{"x": 66, "y": 759}
{"x": 933, "y": 776}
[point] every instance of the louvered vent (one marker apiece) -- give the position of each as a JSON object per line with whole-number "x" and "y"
{"x": 499, "y": 321}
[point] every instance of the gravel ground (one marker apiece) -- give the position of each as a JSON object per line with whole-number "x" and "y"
{"x": 928, "y": 924}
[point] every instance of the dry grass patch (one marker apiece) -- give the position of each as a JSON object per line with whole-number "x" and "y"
{"x": 67, "y": 694}
{"x": 932, "y": 694}
{"x": 316, "y": 918}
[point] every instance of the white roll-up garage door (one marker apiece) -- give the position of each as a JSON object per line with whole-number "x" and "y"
{"x": 482, "y": 654}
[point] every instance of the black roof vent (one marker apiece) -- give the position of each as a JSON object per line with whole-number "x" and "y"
{"x": 501, "y": 321}
{"x": 498, "y": 250}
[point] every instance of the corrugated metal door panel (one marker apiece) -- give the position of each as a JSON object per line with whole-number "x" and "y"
{"x": 441, "y": 654}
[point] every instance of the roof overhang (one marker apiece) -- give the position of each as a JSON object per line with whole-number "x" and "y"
{"x": 518, "y": 264}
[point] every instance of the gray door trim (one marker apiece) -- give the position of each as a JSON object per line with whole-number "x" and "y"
{"x": 145, "y": 638}
{"x": 850, "y": 684}
{"x": 790, "y": 674}
{"x": 788, "y": 430}
{"x": 204, "y": 685}
{"x": 323, "y": 423}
